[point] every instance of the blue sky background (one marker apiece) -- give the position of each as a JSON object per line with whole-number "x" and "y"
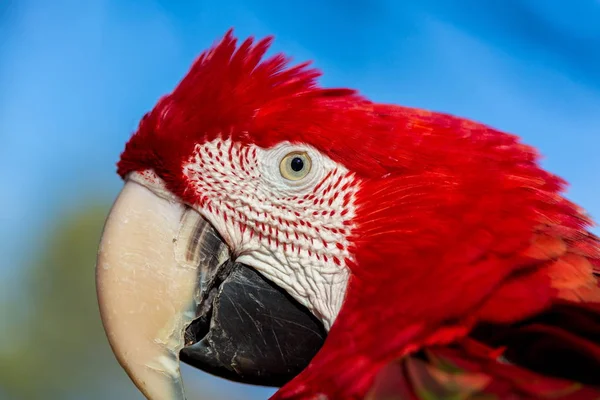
{"x": 76, "y": 76}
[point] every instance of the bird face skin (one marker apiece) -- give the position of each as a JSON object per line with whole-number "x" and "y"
{"x": 273, "y": 232}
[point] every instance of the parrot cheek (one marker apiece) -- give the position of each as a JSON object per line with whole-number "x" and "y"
{"x": 167, "y": 288}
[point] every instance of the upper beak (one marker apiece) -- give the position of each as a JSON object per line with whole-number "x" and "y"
{"x": 166, "y": 286}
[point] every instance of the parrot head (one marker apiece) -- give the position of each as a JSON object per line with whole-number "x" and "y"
{"x": 275, "y": 232}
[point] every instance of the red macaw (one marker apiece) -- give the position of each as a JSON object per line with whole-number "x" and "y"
{"x": 275, "y": 232}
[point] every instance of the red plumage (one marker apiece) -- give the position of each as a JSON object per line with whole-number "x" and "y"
{"x": 457, "y": 229}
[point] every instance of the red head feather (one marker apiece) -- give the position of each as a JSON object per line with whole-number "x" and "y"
{"x": 231, "y": 92}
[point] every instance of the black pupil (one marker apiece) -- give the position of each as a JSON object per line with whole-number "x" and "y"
{"x": 297, "y": 164}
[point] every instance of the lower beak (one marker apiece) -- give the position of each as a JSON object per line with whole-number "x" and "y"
{"x": 166, "y": 287}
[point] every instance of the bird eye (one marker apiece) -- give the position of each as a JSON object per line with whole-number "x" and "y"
{"x": 295, "y": 166}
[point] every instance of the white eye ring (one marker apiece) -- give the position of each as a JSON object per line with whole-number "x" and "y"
{"x": 295, "y": 165}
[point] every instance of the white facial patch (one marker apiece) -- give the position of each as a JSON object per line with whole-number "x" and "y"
{"x": 292, "y": 231}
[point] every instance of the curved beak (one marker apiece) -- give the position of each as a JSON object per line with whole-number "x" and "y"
{"x": 166, "y": 287}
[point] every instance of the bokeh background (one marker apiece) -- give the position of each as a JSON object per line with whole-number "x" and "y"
{"x": 76, "y": 76}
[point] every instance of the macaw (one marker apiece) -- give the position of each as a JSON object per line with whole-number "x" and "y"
{"x": 275, "y": 232}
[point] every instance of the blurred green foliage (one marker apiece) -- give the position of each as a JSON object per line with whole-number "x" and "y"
{"x": 56, "y": 348}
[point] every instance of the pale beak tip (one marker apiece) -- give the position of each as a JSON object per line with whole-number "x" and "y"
{"x": 145, "y": 297}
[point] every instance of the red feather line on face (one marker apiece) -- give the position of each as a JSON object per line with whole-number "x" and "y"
{"x": 456, "y": 223}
